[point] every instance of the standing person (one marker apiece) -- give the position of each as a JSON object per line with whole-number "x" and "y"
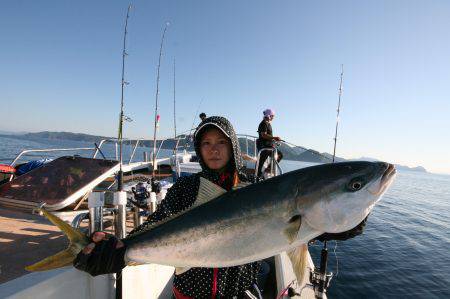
{"x": 219, "y": 155}
{"x": 266, "y": 139}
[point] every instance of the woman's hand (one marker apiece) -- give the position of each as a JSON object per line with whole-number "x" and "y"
{"x": 98, "y": 237}
{"x": 344, "y": 235}
{"x": 104, "y": 255}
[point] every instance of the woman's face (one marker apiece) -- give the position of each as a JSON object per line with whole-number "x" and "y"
{"x": 215, "y": 149}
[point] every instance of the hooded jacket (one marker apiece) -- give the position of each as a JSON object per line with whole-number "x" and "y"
{"x": 207, "y": 282}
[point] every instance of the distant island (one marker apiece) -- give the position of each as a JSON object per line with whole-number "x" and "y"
{"x": 296, "y": 153}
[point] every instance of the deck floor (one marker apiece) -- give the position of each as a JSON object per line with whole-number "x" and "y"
{"x": 24, "y": 240}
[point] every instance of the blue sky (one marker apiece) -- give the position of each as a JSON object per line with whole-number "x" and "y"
{"x": 61, "y": 66}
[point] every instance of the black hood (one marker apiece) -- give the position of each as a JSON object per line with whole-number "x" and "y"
{"x": 226, "y": 127}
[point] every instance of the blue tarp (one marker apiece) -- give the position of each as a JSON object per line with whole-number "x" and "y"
{"x": 24, "y": 168}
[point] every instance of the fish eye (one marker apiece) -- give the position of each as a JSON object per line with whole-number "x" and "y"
{"x": 355, "y": 184}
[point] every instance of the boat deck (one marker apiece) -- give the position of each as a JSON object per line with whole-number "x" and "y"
{"x": 24, "y": 240}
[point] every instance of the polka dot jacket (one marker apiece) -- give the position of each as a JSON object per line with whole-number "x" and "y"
{"x": 206, "y": 282}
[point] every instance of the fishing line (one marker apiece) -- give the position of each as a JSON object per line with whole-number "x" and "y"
{"x": 335, "y": 256}
{"x": 192, "y": 127}
{"x": 195, "y": 116}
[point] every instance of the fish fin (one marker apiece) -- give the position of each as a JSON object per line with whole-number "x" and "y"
{"x": 299, "y": 260}
{"x": 291, "y": 231}
{"x": 241, "y": 185}
{"x": 307, "y": 233}
{"x": 181, "y": 270}
{"x": 207, "y": 191}
{"x": 63, "y": 258}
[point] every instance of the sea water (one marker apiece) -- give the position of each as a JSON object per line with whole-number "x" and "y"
{"x": 403, "y": 252}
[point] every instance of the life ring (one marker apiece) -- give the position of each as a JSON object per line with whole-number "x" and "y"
{"x": 4, "y": 168}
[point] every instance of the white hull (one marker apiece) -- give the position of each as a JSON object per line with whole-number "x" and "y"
{"x": 138, "y": 282}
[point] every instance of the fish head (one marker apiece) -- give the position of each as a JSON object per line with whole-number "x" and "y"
{"x": 335, "y": 198}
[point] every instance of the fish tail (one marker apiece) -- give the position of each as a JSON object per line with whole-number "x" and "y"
{"x": 63, "y": 258}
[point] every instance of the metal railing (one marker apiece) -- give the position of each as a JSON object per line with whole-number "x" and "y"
{"x": 248, "y": 139}
{"x": 95, "y": 150}
{"x": 249, "y": 147}
{"x": 275, "y": 168}
{"x": 49, "y": 150}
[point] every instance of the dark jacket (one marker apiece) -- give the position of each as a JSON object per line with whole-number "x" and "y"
{"x": 205, "y": 282}
{"x": 264, "y": 127}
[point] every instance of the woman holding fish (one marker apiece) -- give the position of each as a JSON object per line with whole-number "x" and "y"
{"x": 219, "y": 155}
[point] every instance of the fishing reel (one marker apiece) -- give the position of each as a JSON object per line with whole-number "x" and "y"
{"x": 320, "y": 278}
{"x": 156, "y": 185}
{"x": 141, "y": 194}
{"x": 320, "y": 282}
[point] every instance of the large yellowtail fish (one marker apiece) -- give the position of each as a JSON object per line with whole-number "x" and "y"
{"x": 254, "y": 222}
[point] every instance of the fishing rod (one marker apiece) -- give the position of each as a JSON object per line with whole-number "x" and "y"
{"x": 121, "y": 210}
{"x": 174, "y": 103}
{"x": 195, "y": 116}
{"x": 175, "y": 147}
{"x": 156, "y": 99}
{"x": 193, "y": 121}
{"x": 121, "y": 118}
{"x": 338, "y": 110}
{"x": 321, "y": 279}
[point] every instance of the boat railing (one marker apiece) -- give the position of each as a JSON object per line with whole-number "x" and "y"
{"x": 248, "y": 141}
{"x": 96, "y": 150}
{"x": 48, "y": 150}
{"x": 275, "y": 168}
{"x": 138, "y": 141}
{"x": 182, "y": 142}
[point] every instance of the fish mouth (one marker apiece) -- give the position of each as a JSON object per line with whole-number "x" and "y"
{"x": 386, "y": 179}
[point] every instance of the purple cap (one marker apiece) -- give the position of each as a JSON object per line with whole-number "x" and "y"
{"x": 268, "y": 112}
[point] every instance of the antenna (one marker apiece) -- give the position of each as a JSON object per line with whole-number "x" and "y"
{"x": 121, "y": 117}
{"x": 156, "y": 100}
{"x": 338, "y": 110}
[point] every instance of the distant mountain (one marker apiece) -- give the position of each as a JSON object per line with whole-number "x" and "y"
{"x": 417, "y": 168}
{"x": 398, "y": 166}
{"x": 64, "y": 136}
{"x": 11, "y": 133}
{"x": 336, "y": 159}
{"x": 297, "y": 153}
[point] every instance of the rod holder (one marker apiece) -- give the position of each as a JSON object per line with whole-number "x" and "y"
{"x": 120, "y": 200}
{"x": 153, "y": 202}
{"x": 137, "y": 219}
{"x": 96, "y": 201}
